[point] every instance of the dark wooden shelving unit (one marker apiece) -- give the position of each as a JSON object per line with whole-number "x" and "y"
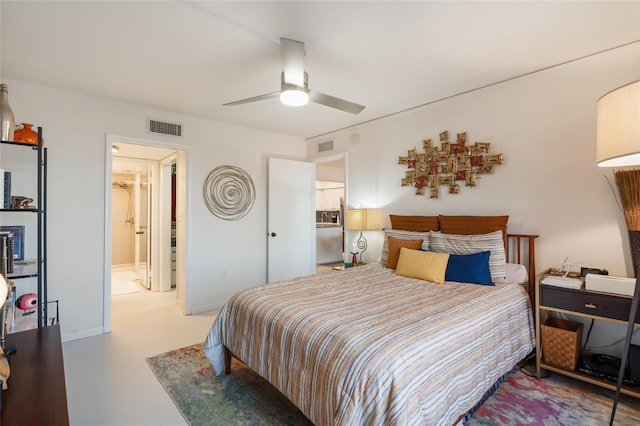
{"x": 36, "y": 393}
{"x": 37, "y": 267}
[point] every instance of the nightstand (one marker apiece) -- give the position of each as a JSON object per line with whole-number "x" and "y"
{"x": 582, "y": 303}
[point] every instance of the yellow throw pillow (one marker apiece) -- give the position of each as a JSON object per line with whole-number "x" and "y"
{"x": 395, "y": 244}
{"x": 424, "y": 265}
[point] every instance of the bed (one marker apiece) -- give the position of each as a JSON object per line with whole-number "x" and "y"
{"x": 378, "y": 345}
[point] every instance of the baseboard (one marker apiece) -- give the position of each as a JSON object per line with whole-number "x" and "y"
{"x": 81, "y": 334}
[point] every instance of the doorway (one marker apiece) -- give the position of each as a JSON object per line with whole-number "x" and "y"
{"x": 331, "y": 189}
{"x": 131, "y": 215}
{"x": 144, "y": 260}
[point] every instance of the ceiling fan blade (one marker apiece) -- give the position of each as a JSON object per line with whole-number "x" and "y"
{"x": 333, "y": 102}
{"x": 253, "y": 99}
{"x": 293, "y": 61}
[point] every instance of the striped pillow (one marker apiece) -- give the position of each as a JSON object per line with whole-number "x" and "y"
{"x": 470, "y": 244}
{"x": 402, "y": 235}
{"x": 474, "y": 225}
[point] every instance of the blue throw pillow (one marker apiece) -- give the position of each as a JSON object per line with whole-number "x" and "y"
{"x": 469, "y": 268}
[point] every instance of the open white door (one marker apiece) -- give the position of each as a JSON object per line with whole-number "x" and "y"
{"x": 291, "y": 219}
{"x": 142, "y": 222}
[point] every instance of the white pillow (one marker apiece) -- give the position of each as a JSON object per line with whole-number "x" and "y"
{"x": 470, "y": 244}
{"x": 402, "y": 235}
{"x": 516, "y": 273}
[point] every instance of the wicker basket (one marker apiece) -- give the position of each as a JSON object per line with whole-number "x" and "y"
{"x": 561, "y": 340}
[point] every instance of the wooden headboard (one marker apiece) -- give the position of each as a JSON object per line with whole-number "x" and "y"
{"x": 521, "y": 249}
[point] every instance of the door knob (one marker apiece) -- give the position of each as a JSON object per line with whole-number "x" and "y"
{"x": 273, "y": 234}
{"x": 139, "y": 232}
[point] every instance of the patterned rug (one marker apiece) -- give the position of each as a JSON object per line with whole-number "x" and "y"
{"x": 240, "y": 398}
{"x": 243, "y": 398}
{"x": 554, "y": 400}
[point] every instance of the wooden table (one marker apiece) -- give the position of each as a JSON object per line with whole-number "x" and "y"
{"x": 37, "y": 393}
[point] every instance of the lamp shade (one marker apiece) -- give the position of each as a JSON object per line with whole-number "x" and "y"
{"x": 364, "y": 219}
{"x": 618, "y": 132}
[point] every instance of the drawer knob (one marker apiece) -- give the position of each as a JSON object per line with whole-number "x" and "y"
{"x": 590, "y": 305}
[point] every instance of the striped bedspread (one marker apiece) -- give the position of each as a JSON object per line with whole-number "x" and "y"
{"x": 368, "y": 347}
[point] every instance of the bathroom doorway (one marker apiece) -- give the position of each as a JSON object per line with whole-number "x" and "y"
{"x": 131, "y": 207}
{"x": 144, "y": 270}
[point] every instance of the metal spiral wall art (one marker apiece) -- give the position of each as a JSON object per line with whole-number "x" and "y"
{"x": 229, "y": 192}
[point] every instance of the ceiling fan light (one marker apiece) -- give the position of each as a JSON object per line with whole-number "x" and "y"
{"x": 294, "y": 97}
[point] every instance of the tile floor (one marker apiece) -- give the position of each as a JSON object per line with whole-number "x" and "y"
{"x": 107, "y": 377}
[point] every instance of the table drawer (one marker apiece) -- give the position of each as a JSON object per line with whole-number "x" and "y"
{"x": 587, "y": 302}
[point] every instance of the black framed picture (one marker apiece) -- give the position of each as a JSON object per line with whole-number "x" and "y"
{"x": 18, "y": 240}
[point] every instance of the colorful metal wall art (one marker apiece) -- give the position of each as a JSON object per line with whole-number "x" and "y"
{"x": 447, "y": 165}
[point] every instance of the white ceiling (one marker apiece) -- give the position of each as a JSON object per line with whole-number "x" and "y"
{"x": 191, "y": 57}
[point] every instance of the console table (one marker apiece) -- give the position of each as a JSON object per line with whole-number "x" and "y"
{"x": 37, "y": 393}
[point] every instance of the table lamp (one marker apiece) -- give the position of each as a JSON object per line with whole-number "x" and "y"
{"x": 363, "y": 220}
{"x": 618, "y": 145}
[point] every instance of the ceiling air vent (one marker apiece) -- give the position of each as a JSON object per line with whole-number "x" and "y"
{"x": 325, "y": 146}
{"x": 164, "y": 128}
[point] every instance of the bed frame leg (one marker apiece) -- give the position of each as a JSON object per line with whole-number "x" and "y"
{"x": 227, "y": 361}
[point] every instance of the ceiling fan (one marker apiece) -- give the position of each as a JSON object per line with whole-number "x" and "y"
{"x": 294, "y": 83}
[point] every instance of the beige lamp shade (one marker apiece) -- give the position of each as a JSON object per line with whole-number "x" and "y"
{"x": 364, "y": 219}
{"x": 618, "y": 133}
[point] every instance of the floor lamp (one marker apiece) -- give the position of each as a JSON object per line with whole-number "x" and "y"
{"x": 618, "y": 145}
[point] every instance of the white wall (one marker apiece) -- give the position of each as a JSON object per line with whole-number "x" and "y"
{"x": 222, "y": 256}
{"x": 331, "y": 172}
{"x": 545, "y": 125}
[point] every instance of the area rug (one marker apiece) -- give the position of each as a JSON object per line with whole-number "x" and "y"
{"x": 553, "y": 400}
{"x": 120, "y": 288}
{"x": 124, "y": 282}
{"x": 244, "y": 398}
{"x": 240, "y": 398}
